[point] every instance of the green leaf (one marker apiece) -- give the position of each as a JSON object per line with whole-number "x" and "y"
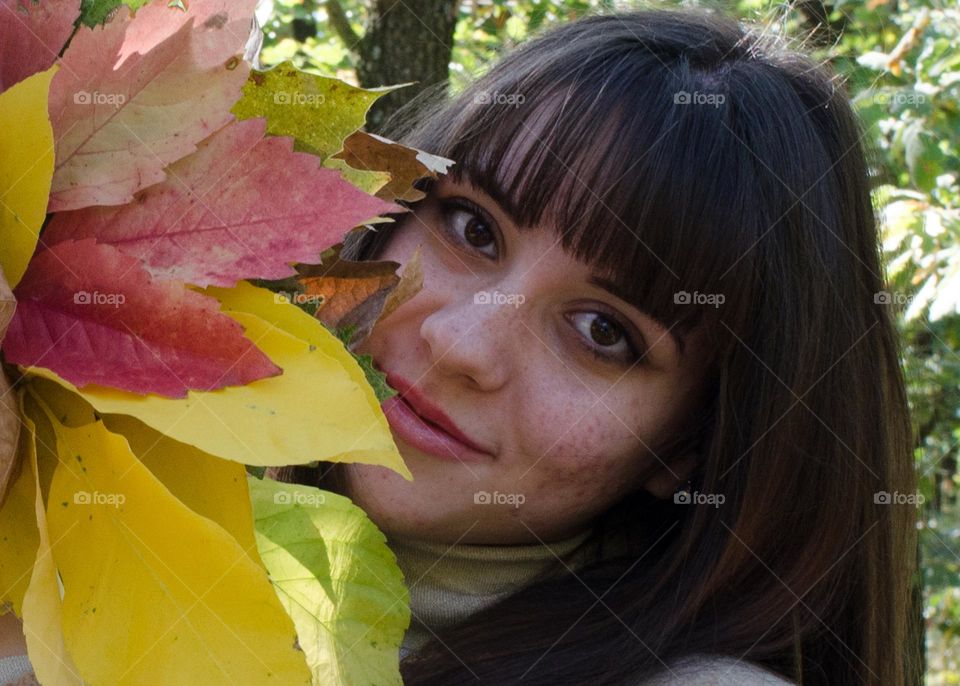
{"x": 337, "y": 578}
{"x": 317, "y": 111}
{"x": 376, "y": 378}
{"x": 95, "y": 12}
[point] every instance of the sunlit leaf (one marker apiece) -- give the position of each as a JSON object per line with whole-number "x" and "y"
{"x": 139, "y": 93}
{"x": 204, "y": 226}
{"x": 317, "y": 111}
{"x": 363, "y": 150}
{"x": 338, "y": 580}
{"x": 173, "y": 593}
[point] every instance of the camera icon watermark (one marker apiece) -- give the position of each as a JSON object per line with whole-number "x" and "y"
{"x": 285, "y": 298}
{"x": 297, "y": 98}
{"x": 498, "y": 498}
{"x": 898, "y": 498}
{"x": 495, "y": 98}
{"x": 888, "y": 298}
{"x": 97, "y": 498}
{"x": 697, "y": 298}
{"x": 498, "y": 298}
{"x": 698, "y": 498}
{"x": 298, "y": 498}
{"x": 98, "y": 298}
{"x": 698, "y": 98}
{"x": 97, "y": 98}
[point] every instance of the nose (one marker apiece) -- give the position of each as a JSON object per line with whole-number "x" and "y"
{"x": 475, "y": 337}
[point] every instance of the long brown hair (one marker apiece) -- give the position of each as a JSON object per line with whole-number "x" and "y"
{"x": 684, "y": 153}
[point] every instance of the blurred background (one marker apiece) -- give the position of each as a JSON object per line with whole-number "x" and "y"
{"x": 900, "y": 61}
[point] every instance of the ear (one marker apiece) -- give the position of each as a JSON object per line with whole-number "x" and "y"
{"x": 667, "y": 478}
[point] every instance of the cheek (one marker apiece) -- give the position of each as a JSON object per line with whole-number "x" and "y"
{"x": 578, "y": 444}
{"x": 577, "y": 447}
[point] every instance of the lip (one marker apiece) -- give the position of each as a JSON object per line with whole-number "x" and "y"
{"x": 425, "y": 425}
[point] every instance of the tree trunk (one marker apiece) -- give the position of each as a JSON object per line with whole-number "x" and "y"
{"x": 404, "y": 41}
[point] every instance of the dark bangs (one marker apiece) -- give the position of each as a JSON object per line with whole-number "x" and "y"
{"x": 601, "y": 140}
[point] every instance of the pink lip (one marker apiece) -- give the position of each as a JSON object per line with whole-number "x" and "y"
{"x": 424, "y": 425}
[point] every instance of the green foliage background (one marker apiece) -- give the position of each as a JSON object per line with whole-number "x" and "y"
{"x": 900, "y": 61}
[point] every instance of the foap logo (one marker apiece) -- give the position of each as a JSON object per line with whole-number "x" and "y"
{"x": 888, "y": 298}
{"x": 285, "y": 298}
{"x": 898, "y": 498}
{"x": 698, "y": 498}
{"x": 698, "y": 98}
{"x": 697, "y": 298}
{"x": 98, "y": 298}
{"x": 97, "y": 98}
{"x": 297, "y": 98}
{"x": 498, "y": 498}
{"x": 298, "y": 498}
{"x": 498, "y": 298}
{"x": 97, "y": 498}
{"x": 509, "y": 99}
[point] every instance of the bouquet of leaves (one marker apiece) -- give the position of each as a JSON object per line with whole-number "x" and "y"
{"x": 176, "y": 310}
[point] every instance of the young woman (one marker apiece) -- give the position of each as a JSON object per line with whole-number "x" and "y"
{"x": 649, "y": 402}
{"x": 652, "y": 268}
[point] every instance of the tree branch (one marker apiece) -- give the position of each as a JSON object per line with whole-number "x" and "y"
{"x": 341, "y": 24}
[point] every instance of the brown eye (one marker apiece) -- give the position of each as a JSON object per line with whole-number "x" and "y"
{"x": 477, "y": 233}
{"x": 604, "y": 336}
{"x": 468, "y": 227}
{"x": 605, "y": 332}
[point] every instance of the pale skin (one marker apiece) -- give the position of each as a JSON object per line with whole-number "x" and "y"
{"x": 571, "y": 433}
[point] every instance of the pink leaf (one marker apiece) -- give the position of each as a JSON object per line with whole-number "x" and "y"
{"x": 31, "y": 36}
{"x": 242, "y": 206}
{"x": 95, "y": 316}
{"x": 139, "y": 93}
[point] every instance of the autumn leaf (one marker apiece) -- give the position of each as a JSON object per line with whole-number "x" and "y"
{"x": 345, "y": 291}
{"x": 183, "y": 599}
{"x": 9, "y": 410}
{"x": 208, "y": 485}
{"x": 362, "y": 150}
{"x": 337, "y": 578}
{"x": 42, "y": 604}
{"x": 317, "y": 111}
{"x": 32, "y": 33}
{"x": 320, "y": 408}
{"x": 19, "y": 538}
{"x": 242, "y": 206}
{"x": 26, "y": 149}
{"x": 356, "y": 294}
{"x": 95, "y": 316}
{"x": 411, "y": 282}
{"x": 139, "y": 93}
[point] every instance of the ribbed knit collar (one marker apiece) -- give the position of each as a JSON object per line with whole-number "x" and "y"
{"x": 448, "y": 583}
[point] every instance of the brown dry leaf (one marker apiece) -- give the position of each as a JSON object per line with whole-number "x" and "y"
{"x": 411, "y": 281}
{"x": 357, "y": 294}
{"x": 9, "y": 419}
{"x": 370, "y": 152}
{"x": 347, "y": 293}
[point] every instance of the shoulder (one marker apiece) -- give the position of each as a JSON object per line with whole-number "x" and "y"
{"x": 715, "y": 670}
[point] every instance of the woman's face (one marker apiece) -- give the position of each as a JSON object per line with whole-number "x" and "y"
{"x": 565, "y": 388}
